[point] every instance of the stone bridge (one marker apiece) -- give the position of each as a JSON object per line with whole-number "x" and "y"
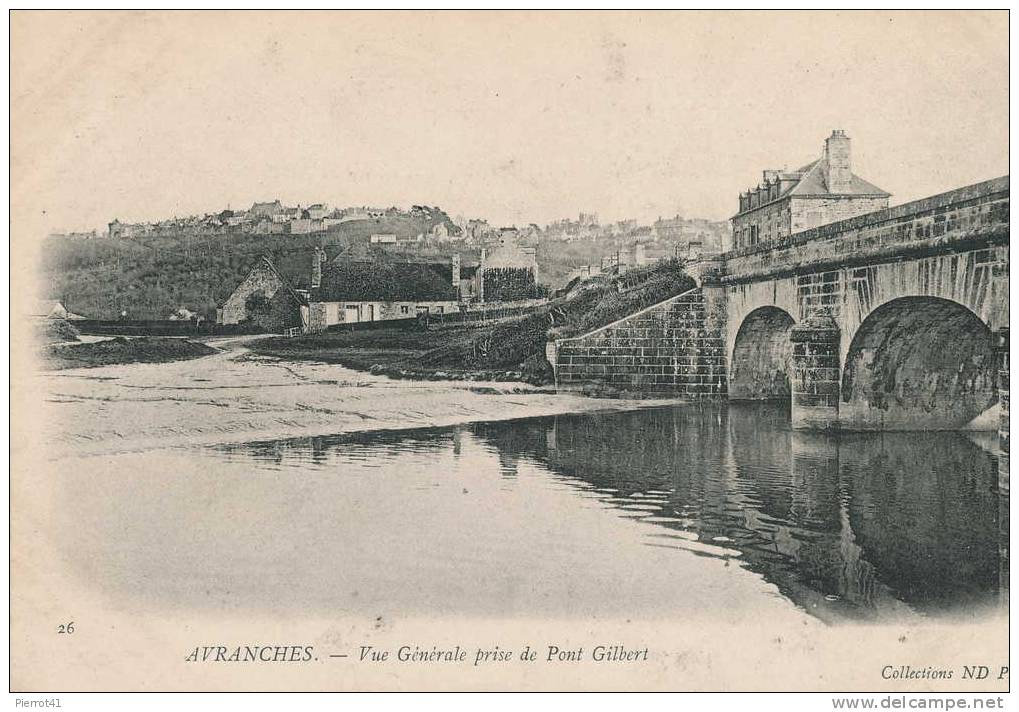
{"x": 893, "y": 320}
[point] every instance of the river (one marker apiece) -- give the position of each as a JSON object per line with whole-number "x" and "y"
{"x": 241, "y": 488}
{"x": 382, "y": 496}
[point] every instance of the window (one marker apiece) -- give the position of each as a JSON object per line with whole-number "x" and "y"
{"x": 405, "y": 309}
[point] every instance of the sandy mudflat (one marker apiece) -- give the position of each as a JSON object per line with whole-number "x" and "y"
{"x": 234, "y": 396}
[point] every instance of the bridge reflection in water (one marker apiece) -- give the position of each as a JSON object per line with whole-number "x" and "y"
{"x": 854, "y": 526}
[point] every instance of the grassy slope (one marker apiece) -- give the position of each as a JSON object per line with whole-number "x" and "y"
{"x": 151, "y": 277}
{"x": 512, "y": 348}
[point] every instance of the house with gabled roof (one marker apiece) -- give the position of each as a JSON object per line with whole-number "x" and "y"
{"x": 308, "y": 290}
{"x": 304, "y": 289}
{"x": 52, "y": 309}
{"x": 821, "y": 192}
{"x": 265, "y": 298}
{"x": 266, "y": 210}
{"x": 363, "y": 284}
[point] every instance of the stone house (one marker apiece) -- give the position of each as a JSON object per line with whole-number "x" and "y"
{"x": 318, "y": 211}
{"x": 508, "y": 272}
{"x": 118, "y": 229}
{"x": 265, "y": 298}
{"x": 626, "y": 259}
{"x": 267, "y": 226}
{"x": 303, "y": 226}
{"x": 265, "y": 210}
{"x": 819, "y": 193}
{"x": 354, "y": 289}
{"x": 52, "y": 309}
{"x": 308, "y": 290}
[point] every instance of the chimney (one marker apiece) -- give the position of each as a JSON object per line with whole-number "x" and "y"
{"x": 479, "y": 276}
{"x": 456, "y": 272}
{"x": 316, "y": 267}
{"x": 838, "y": 163}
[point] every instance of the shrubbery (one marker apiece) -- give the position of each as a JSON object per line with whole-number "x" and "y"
{"x": 146, "y": 349}
{"x": 55, "y": 331}
{"x": 508, "y": 284}
{"x": 521, "y": 342}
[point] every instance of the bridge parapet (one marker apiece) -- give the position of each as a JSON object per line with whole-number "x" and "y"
{"x": 967, "y": 218}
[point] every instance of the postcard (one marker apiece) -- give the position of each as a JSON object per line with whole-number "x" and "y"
{"x": 509, "y": 351}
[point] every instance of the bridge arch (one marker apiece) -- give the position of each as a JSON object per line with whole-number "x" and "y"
{"x": 918, "y": 362}
{"x": 759, "y": 367}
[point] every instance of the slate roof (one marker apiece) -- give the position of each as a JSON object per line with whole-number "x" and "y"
{"x": 266, "y": 208}
{"x": 385, "y": 281}
{"x": 509, "y": 256}
{"x": 266, "y": 262}
{"x": 812, "y": 183}
{"x": 366, "y": 275}
{"x": 295, "y": 267}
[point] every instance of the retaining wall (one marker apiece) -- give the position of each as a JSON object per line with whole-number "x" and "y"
{"x": 674, "y": 349}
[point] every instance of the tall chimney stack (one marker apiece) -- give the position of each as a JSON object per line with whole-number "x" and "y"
{"x": 456, "y": 273}
{"x": 838, "y": 162}
{"x": 316, "y": 267}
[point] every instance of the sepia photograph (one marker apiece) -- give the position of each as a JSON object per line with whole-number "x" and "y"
{"x": 510, "y": 351}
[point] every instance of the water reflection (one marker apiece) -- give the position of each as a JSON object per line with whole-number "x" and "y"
{"x": 853, "y": 526}
{"x": 375, "y": 449}
{"x": 859, "y": 526}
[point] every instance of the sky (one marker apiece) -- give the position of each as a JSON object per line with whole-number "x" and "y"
{"x": 514, "y": 117}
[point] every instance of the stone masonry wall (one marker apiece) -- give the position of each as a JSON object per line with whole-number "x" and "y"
{"x": 674, "y": 349}
{"x": 806, "y": 213}
{"x": 974, "y": 217}
{"x": 262, "y": 278}
{"x": 1003, "y": 386}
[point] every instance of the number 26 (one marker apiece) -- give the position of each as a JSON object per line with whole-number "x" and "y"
{"x": 66, "y": 628}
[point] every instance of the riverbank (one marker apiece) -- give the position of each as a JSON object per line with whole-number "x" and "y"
{"x": 509, "y": 349}
{"x": 237, "y": 396}
{"x": 433, "y": 355}
{"x": 120, "y": 351}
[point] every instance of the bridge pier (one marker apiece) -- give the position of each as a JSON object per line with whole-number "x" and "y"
{"x": 815, "y": 377}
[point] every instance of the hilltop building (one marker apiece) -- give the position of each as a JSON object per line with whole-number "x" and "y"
{"x": 819, "y": 193}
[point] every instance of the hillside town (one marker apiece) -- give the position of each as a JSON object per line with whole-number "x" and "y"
{"x": 268, "y": 218}
{"x": 475, "y": 262}
{"x": 274, "y": 218}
